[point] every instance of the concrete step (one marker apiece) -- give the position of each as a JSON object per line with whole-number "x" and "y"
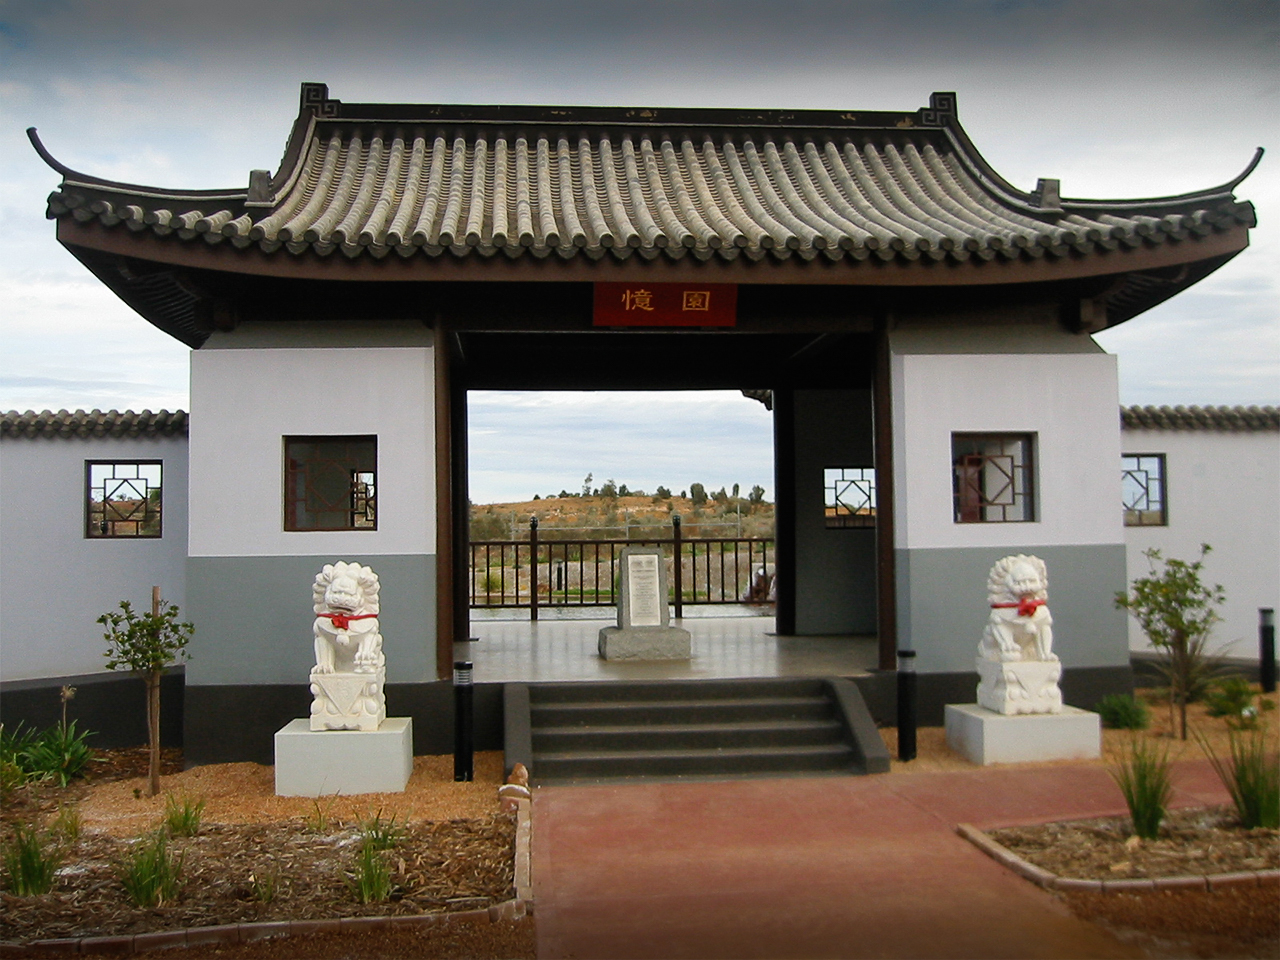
{"x": 662, "y": 729}
{"x": 741, "y": 762}
{"x": 666, "y": 690}
{"x": 675, "y": 735}
{"x": 715, "y": 710}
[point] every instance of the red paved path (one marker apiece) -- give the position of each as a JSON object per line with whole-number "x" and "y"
{"x": 814, "y": 867}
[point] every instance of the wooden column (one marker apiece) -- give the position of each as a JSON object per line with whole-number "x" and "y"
{"x": 444, "y": 504}
{"x": 458, "y": 462}
{"x": 784, "y": 489}
{"x": 886, "y": 576}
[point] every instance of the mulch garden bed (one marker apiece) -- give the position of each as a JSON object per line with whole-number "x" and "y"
{"x": 246, "y": 873}
{"x": 278, "y": 867}
{"x": 1191, "y": 843}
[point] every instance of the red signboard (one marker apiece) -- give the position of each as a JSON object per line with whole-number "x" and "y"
{"x": 665, "y": 305}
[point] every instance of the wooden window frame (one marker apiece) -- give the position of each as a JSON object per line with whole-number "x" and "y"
{"x": 356, "y": 500}
{"x": 839, "y": 515}
{"x": 989, "y": 485}
{"x": 1135, "y": 515}
{"x": 99, "y": 520}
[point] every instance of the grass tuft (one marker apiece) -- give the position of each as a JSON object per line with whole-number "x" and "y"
{"x": 380, "y": 834}
{"x": 264, "y": 884}
{"x": 1251, "y": 776}
{"x": 67, "y": 825}
{"x": 151, "y": 873}
{"x": 1145, "y": 777}
{"x": 318, "y": 821}
{"x": 30, "y": 862}
{"x": 182, "y": 815}
{"x": 370, "y": 882}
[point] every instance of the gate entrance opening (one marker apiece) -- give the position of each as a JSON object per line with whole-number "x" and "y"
{"x": 758, "y": 602}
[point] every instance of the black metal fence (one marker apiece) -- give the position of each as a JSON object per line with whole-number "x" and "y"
{"x": 540, "y": 572}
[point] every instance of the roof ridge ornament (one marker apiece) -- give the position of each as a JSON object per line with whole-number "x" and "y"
{"x": 942, "y": 109}
{"x": 1048, "y": 195}
{"x": 314, "y": 99}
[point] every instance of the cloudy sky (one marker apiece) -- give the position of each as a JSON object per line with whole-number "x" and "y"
{"x": 1116, "y": 99}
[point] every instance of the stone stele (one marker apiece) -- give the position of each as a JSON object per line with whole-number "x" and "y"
{"x": 1018, "y": 672}
{"x": 644, "y": 630}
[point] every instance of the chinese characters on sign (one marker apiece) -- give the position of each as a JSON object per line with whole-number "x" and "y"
{"x": 665, "y": 305}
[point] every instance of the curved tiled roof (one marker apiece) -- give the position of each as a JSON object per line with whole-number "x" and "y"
{"x": 1200, "y": 418}
{"x": 82, "y": 424}
{"x": 379, "y": 180}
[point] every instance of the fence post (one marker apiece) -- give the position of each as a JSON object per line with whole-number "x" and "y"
{"x": 533, "y": 568}
{"x": 676, "y": 572}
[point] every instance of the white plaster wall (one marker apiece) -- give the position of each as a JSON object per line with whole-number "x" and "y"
{"x": 56, "y": 581}
{"x": 1070, "y": 401}
{"x": 1223, "y": 489}
{"x": 244, "y": 401}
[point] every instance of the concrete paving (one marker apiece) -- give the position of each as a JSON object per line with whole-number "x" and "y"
{"x": 815, "y": 866}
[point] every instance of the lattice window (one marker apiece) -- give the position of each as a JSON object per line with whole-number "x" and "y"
{"x": 122, "y": 498}
{"x": 330, "y": 483}
{"x": 1143, "y": 488}
{"x": 850, "y": 499}
{"x": 993, "y": 477}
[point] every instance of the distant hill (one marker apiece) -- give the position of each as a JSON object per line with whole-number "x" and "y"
{"x": 616, "y": 518}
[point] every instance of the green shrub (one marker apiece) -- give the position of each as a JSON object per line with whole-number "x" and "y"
{"x": 1177, "y": 611}
{"x": 151, "y": 873}
{"x": 30, "y": 862}
{"x": 1233, "y": 699}
{"x": 371, "y": 879}
{"x": 182, "y": 816}
{"x": 1123, "y": 711}
{"x": 1251, "y": 776}
{"x": 1144, "y": 776}
{"x": 59, "y": 753}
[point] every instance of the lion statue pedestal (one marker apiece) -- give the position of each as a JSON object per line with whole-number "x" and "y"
{"x": 1019, "y": 715}
{"x": 1018, "y": 672}
{"x": 350, "y": 670}
{"x": 348, "y": 745}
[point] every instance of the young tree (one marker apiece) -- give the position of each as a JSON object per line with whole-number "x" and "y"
{"x": 609, "y": 490}
{"x": 1177, "y": 612}
{"x": 698, "y": 494}
{"x": 586, "y": 486}
{"x": 146, "y": 644}
{"x": 756, "y": 496}
{"x": 736, "y": 488}
{"x": 663, "y": 493}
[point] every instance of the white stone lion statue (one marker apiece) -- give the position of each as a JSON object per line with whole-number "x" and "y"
{"x": 347, "y": 640}
{"x": 1019, "y": 626}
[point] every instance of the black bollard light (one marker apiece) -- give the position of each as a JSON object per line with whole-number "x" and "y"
{"x": 906, "y": 704}
{"x": 1267, "y": 647}
{"x": 463, "y": 721}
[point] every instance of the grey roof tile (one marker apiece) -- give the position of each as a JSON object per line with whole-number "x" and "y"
{"x": 1200, "y": 418}
{"x": 369, "y": 179}
{"x": 83, "y": 424}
